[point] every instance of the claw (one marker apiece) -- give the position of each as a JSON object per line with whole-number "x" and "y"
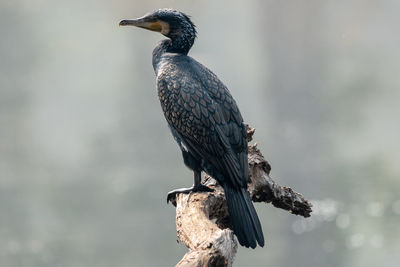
{"x": 170, "y": 196}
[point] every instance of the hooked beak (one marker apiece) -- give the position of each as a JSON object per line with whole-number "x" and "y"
{"x": 144, "y": 22}
{"x": 131, "y": 22}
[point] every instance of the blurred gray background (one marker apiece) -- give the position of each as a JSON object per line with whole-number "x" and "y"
{"x": 81, "y": 129}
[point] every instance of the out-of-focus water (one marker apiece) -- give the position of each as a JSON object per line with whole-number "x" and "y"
{"x": 81, "y": 129}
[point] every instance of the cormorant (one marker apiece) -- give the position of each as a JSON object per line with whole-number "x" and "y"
{"x": 203, "y": 118}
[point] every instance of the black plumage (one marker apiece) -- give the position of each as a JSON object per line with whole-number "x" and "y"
{"x": 204, "y": 119}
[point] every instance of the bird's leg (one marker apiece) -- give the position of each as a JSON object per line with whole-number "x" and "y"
{"x": 197, "y": 187}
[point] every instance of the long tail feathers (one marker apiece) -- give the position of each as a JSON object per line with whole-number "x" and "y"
{"x": 243, "y": 217}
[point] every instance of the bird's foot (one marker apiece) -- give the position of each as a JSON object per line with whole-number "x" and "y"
{"x": 199, "y": 188}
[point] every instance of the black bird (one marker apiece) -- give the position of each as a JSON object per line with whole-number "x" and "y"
{"x": 204, "y": 119}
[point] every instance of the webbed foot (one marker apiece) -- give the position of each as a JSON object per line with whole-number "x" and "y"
{"x": 199, "y": 188}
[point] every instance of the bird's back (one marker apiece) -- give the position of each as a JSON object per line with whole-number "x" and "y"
{"x": 202, "y": 111}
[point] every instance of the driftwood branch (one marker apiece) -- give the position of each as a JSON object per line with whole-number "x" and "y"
{"x": 202, "y": 220}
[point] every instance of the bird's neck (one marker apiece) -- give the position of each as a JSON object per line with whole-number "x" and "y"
{"x": 178, "y": 43}
{"x": 182, "y": 41}
{"x": 158, "y": 52}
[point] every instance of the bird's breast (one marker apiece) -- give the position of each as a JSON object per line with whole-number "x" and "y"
{"x": 169, "y": 95}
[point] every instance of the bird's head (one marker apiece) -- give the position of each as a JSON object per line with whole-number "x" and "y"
{"x": 169, "y": 22}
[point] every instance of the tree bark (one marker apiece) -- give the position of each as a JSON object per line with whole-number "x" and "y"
{"x": 202, "y": 220}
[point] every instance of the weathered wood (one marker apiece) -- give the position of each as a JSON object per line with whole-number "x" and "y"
{"x": 202, "y": 220}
